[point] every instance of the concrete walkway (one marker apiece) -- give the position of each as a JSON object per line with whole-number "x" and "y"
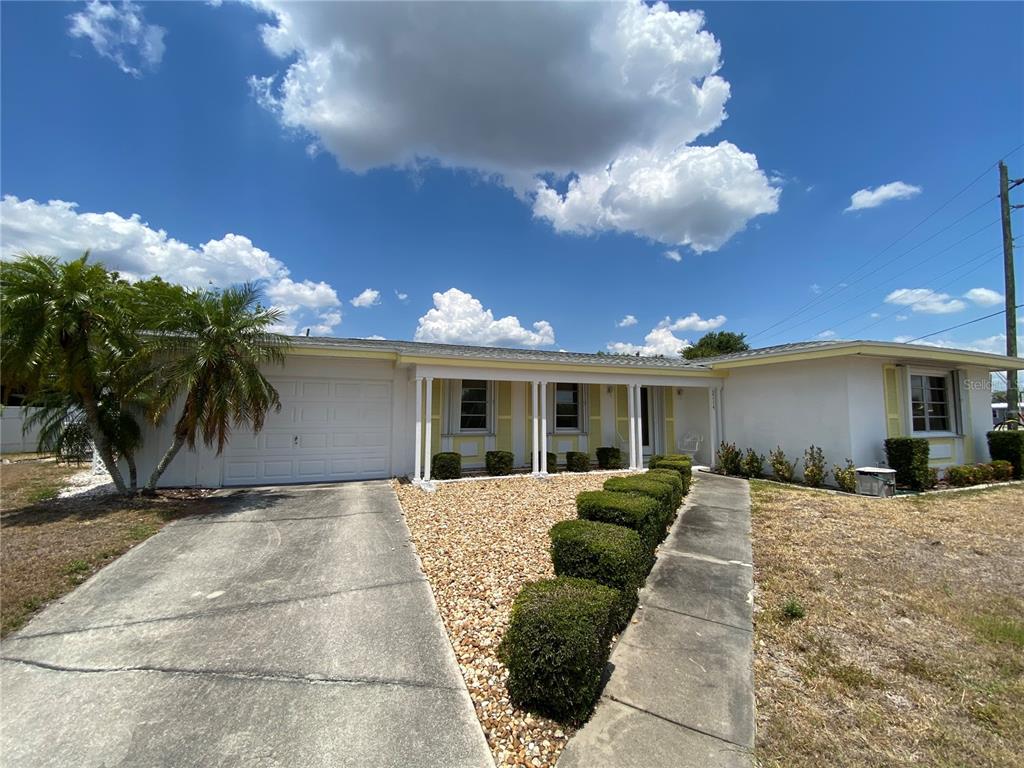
{"x": 294, "y": 629}
{"x": 681, "y": 691}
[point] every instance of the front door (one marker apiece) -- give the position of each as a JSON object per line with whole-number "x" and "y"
{"x": 645, "y": 420}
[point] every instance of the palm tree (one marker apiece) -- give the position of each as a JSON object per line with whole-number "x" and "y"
{"x": 215, "y": 349}
{"x": 67, "y": 325}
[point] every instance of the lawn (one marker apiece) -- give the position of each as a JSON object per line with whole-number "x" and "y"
{"x": 889, "y": 631}
{"x": 479, "y": 542}
{"x": 48, "y": 545}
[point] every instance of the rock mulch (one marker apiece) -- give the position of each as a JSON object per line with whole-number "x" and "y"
{"x": 479, "y": 543}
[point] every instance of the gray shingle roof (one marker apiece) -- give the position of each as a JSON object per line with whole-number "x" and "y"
{"x": 780, "y": 349}
{"x": 468, "y": 352}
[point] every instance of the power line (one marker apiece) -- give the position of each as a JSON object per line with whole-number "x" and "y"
{"x": 841, "y": 283}
{"x": 969, "y": 322}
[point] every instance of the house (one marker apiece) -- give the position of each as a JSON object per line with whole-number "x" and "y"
{"x": 359, "y": 409}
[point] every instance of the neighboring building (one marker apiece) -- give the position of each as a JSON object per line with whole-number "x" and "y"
{"x": 349, "y": 407}
{"x": 999, "y": 411}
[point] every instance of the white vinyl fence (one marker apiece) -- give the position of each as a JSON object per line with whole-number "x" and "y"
{"x": 12, "y": 422}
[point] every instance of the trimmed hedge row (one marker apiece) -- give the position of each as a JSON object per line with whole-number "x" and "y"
{"x": 909, "y": 457}
{"x": 1006, "y": 445}
{"x": 609, "y": 458}
{"x": 552, "y": 463}
{"x": 577, "y": 461}
{"x": 499, "y": 462}
{"x": 559, "y": 634}
{"x": 557, "y": 644}
{"x": 446, "y": 466}
{"x": 975, "y": 474}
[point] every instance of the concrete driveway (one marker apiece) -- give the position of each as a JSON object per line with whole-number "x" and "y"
{"x": 294, "y": 629}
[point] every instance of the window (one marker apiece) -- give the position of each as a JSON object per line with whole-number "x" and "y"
{"x": 473, "y": 406}
{"x": 930, "y": 403}
{"x": 567, "y": 407}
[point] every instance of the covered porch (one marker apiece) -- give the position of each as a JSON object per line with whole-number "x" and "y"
{"x": 531, "y": 413}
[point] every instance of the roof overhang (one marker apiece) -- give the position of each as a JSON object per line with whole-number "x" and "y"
{"x": 888, "y": 350}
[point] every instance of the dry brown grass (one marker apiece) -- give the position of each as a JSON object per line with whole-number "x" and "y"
{"x": 48, "y": 546}
{"x": 479, "y": 543}
{"x": 911, "y": 647}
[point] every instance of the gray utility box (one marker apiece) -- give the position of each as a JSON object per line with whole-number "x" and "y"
{"x": 876, "y": 481}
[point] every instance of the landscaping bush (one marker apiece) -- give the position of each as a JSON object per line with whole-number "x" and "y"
{"x": 446, "y": 466}
{"x": 1006, "y": 445}
{"x": 577, "y": 461}
{"x": 552, "y": 463}
{"x": 652, "y": 487}
{"x": 1001, "y": 470}
{"x": 909, "y": 457}
{"x": 983, "y": 473}
{"x": 814, "y": 466}
{"x": 960, "y": 475}
{"x": 783, "y": 469}
{"x": 730, "y": 460}
{"x": 846, "y": 477}
{"x": 609, "y": 457}
{"x": 557, "y": 645}
{"x": 641, "y": 513}
{"x": 679, "y": 463}
{"x": 670, "y": 476}
{"x": 608, "y": 554}
{"x": 499, "y": 462}
{"x": 753, "y": 464}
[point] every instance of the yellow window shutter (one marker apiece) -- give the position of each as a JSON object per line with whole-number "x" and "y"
{"x": 893, "y": 419}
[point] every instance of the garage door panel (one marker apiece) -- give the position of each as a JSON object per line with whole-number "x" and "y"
{"x": 343, "y": 431}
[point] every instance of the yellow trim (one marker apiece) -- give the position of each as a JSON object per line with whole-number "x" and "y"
{"x": 435, "y": 417}
{"x": 460, "y": 441}
{"x": 594, "y": 404}
{"x": 989, "y": 362}
{"x": 951, "y": 442}
{"x": 893, "y": 402}
{"x": 621, "y": 415}
{"x": 503, "y": 423}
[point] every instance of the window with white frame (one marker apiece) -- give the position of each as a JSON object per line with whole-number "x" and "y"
{"x": 568, "y": 408}
{"x": 473, "y": 406}
{"x": 931, "y": 405}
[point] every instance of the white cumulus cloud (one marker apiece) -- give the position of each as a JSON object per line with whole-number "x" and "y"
{"x": 588, "y": 111}
{"x": 673, "y": 255}
{"x": 660, "y": 342}
{"x": 986, "y": 297}
{"x": 925, "y": 300}
{"x": 995, "y": 344}
{"x": 693, "y": 322}
{"x": 626, "y": 322}
{"x": 459, "y": 318}
{"x": 872, "y": 198}
{"x": 368, "y": 298}
{"x": 137, "y": 250}
{"x": 119, "y": 32}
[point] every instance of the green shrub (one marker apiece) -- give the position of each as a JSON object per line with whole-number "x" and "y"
{"x": 1001, "y": 470}
{"x": 783, "y": 469}
{"x": 499, "y": 462}
{"x": 672, "y": 477}
{"x": 909, "y": 457}
{"x": 557, "y": 645}
{"x": 608, "y": 554}
{"x": 753, "y": 464}
{"x": 1007, "y": 445}
{"x": 552, "y": 463}
{"x": 846, "y": 477}
{"x": 960, "y": 475}
{"x": 609, "y": 457}
{"x": 641, "y": 513}
{"x": 814, "y": 466}
{"x": 577, "y": 461}
{"x": 730, "y": 460}
{"x": 679, "y": 463}
{"x": 983, "y": 473}
{"x": 654, "y": 488}
{"x": 446, "y": 466}
{"x": 933, "y": 477}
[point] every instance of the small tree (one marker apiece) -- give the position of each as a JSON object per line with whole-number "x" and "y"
{"x": 814, "y": 466}
{"x": 783, "y": 469}
{"x": 215, "y": 347}
{"x": 717, "y": 343}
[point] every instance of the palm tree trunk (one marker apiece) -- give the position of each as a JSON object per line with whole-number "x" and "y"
{"x": 101, "y": 444}
{"x": 168, "y": 457}
{"x": 133, "y": 473}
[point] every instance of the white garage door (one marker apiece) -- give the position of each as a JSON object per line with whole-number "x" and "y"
{"x": 327, "y": 429}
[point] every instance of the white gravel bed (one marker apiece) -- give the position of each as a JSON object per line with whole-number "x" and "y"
{"x": 479, "y": 543}
{"x": 94, "y": 481}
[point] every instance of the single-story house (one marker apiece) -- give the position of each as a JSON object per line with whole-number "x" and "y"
{"x": 358, "y": 409}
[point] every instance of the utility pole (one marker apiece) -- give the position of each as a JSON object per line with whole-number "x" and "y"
{"x": 1012, "y": 393}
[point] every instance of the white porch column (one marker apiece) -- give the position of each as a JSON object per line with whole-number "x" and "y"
{"x": 534, "y": 421}
{"x": 416, "y": 473}
{"x": 631, "y": 427}
{"x": 543, "y": 428}
{"x": 639, "y": 411}
{"x": 426, "y": 437}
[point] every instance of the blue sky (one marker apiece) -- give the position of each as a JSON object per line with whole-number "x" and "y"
{"x": 541, "y": 164}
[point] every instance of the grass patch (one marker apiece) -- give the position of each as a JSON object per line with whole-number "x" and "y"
{"x": 912, "y": 652}
{"x": 48, "y": 546}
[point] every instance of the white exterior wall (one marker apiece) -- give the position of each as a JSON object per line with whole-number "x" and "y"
{"x": 792, "y": 405}
{"x": 866, "y": 401}
{"x": 12, "y": 437}
{"x": 692, "y": 414}
{"x": 976, "y": 399}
